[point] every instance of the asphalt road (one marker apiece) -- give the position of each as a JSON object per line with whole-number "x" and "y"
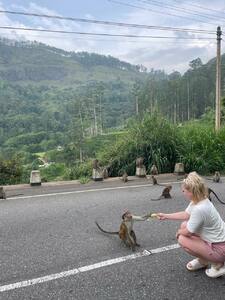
{"x": 50, "y": 247}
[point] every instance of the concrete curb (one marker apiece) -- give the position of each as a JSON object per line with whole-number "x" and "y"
{"x": 161, "y": 178}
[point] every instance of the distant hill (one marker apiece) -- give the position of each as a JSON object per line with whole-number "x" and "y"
{"x": 26, "y": 62}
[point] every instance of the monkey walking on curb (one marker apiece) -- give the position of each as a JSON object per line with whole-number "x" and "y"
{"x": 126, "y": 232}
{"x": 165, "y": 193}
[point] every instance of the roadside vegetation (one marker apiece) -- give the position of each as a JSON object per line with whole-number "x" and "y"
{"x": 158, "y": 141}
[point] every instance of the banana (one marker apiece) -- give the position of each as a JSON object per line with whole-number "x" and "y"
{"x": 153, "y": 215}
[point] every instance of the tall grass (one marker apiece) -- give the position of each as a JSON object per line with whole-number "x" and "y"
{"x": 159, "y": 142}
{"x": 201, "y": 148}
{"x": 153, "y": 138}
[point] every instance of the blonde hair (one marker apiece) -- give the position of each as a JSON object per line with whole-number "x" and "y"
{"x": 195, "y": 184}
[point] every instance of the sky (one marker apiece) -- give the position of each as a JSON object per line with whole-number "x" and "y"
{"x": 161, "y": 52}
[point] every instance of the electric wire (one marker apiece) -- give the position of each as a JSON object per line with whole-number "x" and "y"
{"x": 96, "y": 39}
{"x": 193, "y": 4}
{"x": 169, "y": 28}
{"x": 104, "y": 34}
{"x": 159, "y": 12}
{"x": 181, "y": 9}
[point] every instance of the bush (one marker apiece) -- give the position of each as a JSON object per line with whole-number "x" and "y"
{"x": 153, "y": 138}
{"x": 201, "y": 149}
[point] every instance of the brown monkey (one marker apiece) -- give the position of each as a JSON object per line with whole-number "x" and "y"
{"x": 155, "y": 182}
{"x": 216, "y": 177}
{"x": 210, "y": 191}
{"x": 165, "y": 193}
{"x": 126, "y": 232}
{"x": 124, "y": 177}
{"x": 2, "y": 193}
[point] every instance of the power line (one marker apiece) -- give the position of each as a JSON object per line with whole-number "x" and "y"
{"x": 201, "y": 7}
{"x": 156, "y": 11}
{"x": 181, "y": 9}
{"x": 105, "y": 34}
{"x": 110, "y": 23}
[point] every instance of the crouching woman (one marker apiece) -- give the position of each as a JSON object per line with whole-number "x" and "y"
{"x": 202, "y": 233}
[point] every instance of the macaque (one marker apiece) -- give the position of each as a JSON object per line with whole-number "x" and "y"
{"x": 124, "y": 177}
{"x": 216, "y": 177}
{"x": 209, "y": 196}
{"x": 2, "y": 193}
{"x": 126, "y": 232}
{"x": 165, "y": 193}
{"x": 155, "y": 182}
{"x": 105, "y": 173}
{"x": 154, "y": 170}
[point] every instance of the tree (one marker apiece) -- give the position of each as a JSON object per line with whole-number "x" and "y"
{"x": 196, "y": 63}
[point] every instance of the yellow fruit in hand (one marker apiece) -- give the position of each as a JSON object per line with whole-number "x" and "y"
{"x": 153, "y": 215}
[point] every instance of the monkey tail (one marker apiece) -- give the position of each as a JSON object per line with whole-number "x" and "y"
{"x": 211, "y": 191}
{"x": 109, "y": 232}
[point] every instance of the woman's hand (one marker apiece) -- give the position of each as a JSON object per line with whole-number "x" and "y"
{"x": 161, "y": 216}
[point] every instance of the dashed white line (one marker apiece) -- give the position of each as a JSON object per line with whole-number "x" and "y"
{"x": 76, "y": 271}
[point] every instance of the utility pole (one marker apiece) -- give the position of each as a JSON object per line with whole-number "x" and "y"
{"x": 218, "y": 78}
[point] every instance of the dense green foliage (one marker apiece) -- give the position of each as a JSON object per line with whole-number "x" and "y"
{"x": 159, "y": 142}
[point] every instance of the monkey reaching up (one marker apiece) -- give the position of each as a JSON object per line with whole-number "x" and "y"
{"x": 165, "y": 193}
{"x": 126, "y": 232}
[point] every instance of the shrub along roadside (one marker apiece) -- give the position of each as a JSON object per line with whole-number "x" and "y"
{"x": 158, "y": 141}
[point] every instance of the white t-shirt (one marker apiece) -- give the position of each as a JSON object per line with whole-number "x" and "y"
{"x": 205, "y": 221}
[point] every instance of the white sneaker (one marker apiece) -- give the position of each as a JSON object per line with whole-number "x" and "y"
{"x": 213, "y": 272}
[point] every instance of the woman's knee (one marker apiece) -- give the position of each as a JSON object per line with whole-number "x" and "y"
{"x": 183, "y": 241}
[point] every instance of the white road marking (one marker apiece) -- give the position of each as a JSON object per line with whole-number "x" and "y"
{"x": 87, "y": 191}
{"x": 72, "y": 272}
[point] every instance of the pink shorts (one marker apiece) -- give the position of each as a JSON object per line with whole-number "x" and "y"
{"x": 216, "y": 251}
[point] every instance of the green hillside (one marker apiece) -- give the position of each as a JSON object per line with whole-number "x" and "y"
{"x": 51, "y": 97}
{"x": 24, "y": 62}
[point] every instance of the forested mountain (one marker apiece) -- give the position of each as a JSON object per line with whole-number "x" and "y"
{"x": 31, "y": 62}
{"x": 51, "y": 97}
{"x": 46, "y": 92}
